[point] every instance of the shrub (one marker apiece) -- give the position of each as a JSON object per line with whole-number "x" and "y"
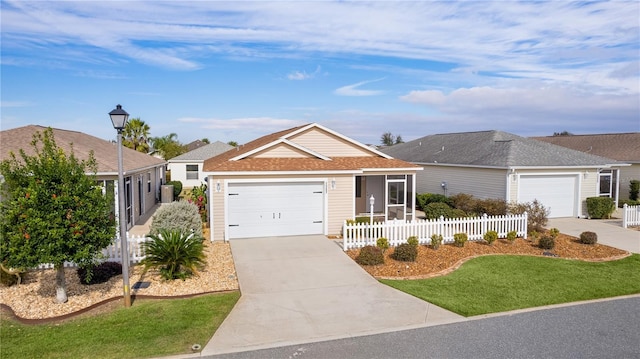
{"x": 383, "y": 244}
{"x": 459, "y": 239}
{"x": 178, "y": 253}
{"x": 537, "y": 214}
{"x": 634, "y": 190}
{"x": 370, "y": 256}
{"x": 425, "y": 199}
{"x": 491, "y": 206}
{"x": 490, "y": 237}
{"x": 533, "y": 236}
{"x": 198, "y": 196}
{"x": 628, "y": 202}
{"x": 405, "y": 253}
{"x": 588, "y": 237}
{"x": 546, "y": 242}
{"x": 511, "y": 236}
{"x": 464, "y": 202}
{"x": 436, "y": 241}
{"x": 457, "y": 213}
{"x": 180, "y": 216}
{"x": 9, "y": 279}
{"x": 437, "y": 210}
{"x": 600, "y": 207}
{"x": 177, "y": 189}
{"x": 413, "y": 240}
{"x": 99, "y": 273}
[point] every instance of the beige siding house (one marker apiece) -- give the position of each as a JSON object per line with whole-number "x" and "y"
{"x": 187, "y": 168}
{"x": 495, "y": 164}
{"x": 304, "y": 180}
{"x": 143, "y": 174}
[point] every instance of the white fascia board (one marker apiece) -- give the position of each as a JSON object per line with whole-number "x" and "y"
{"x": 186, "y": 161}
{"x": 277, "y": 142}
{"x": 564, "y": 167}
{"x": 306, "y": 150}
{"x": 459, "y": 165}
{"x": 282, "y": 173}
{"x": 256, "y": 150}
{"x": 396, "y": 169}
{"x": 352, "y": 141}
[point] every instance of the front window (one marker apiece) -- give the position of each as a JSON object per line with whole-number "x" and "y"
{"x": 192, "y": 172}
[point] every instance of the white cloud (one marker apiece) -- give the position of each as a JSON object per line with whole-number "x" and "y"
{"x": 353, "y": 90}
{"x": 303, "y": 75}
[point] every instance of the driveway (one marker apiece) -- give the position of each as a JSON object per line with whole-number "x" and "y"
{"x": 610, "y": 232}
{"x": 303, "y": 289}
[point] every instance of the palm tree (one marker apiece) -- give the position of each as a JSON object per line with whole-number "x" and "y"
{"x": 178, "y": 254}
{"x": 168, "y": 146}
{"x": 136, "y": 135}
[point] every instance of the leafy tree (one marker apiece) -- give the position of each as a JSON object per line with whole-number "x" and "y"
{"x": 232, "y": 143}
{"x": 563, "y": 133}
{"x": 53, "y": 211}
{"x": 168, "y": 146}
{"x": 136, "y": 135}
{"x": 388, "y": 139}
{"x": 205, "y": 140}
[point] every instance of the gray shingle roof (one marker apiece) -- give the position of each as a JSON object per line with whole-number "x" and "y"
{"x": 204, "y": 152}
{"x": 619, "y": 146}
{"x": 490, "y": 149}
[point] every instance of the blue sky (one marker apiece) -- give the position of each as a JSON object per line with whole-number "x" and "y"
{"x": 238, "y": 70}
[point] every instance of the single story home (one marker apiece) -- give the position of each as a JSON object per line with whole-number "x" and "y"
{"x": 496, "y": 164}
{"x": 304, "y": 180}
{"x": 143, "y": 174}
{"x": 624, "y": 147}
{"x": 187, "y": 168}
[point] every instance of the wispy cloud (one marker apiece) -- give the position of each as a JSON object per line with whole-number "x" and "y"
{"x": 303, "y": 75}
{"x": 249, "y": 127}
{"x": 353, "y": 90}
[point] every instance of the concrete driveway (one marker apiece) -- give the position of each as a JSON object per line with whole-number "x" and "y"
{"x": 303, "y": 289}
{"x": 609, "y": 231}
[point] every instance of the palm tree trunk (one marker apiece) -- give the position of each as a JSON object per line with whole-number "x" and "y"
{"x": 61, "y": 286}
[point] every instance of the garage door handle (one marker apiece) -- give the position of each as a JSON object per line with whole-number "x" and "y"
{"x": 317, "y": 221}
{"x": 234, "y": 225}
{"x": 318, "y": 192}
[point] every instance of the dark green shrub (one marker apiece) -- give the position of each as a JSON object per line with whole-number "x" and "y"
{"x": 405, "y": 253}
{"x": 628, "y": 202}
{"x": 600, "y": 207}
{"x": 424, "y": 199}
{"x": 178, "y": 254}
{"x": 383, "y": 244}
{"x": 634, "y": 190}
{"x": 464, "y": 202}
{"x": 588, "y": 237}
{"x": 370, "y": 256}
{"x": 546, "y": 242}
{"x": 177, "y": 189}
{"x": 537, "y": 214}
{"x": 554, "y": 232}
{"x": 181, "y": 216}
{"x": 436, "y": 210}
{"x": 436, "y": 241}
{"x": 459, "y": 239}
{"x": 99, "y": 273}
{"x": 413, "y": 240}
{"x": 490, "y": 237}
{"x": 511, "y": 236}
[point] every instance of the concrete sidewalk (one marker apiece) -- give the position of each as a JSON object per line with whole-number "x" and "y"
{"x": 303, "y": 289}
{"x": 610, "y": 231}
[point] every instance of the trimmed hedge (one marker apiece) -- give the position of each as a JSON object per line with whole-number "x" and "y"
{"x": 588, "y": 237}
{"x": 600, "y": 207}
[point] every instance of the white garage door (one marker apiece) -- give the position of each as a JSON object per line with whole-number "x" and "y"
{"x": 556, "y": 193}
{"x": 275, "y": 209}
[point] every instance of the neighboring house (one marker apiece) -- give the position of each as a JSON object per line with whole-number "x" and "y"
{"x": 624, "y": 147}
{"x": 143, "y": 174}
{"x": 195, "y": 145}
{"x": 495, "y": 164}
{"x": 304, "y": 180}
{"x": 187, "y": 168}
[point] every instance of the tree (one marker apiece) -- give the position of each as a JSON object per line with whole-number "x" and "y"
{"x": 136, "y": 135}
{"x": 205, "y": 140}
{"x": 388, "y": 139}
{"x": 232, "y": 143}
{"x": 168, "y": 146}
{"x": 563, "y": 133}
{"x": 53, "y": 210}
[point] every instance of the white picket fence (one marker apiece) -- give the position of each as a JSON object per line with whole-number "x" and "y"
{"x": 630, "y": 216}
{"x": 358, "y": 235}
{"x": 113, "y": 253}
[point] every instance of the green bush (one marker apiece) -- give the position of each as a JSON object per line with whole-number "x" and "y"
{"x": 588, "y": 237}
{"x": 491, "y": 206}
{"x": 464, "y": 202}
{"x": 511, "y": 236}
{"x": 370, "y": 256}
{"x": 178, "y": 254}
{"x": 554, "y": 232}
{"x": 436, "y": 241}
{"x": 490, "y": 237}
{"x": 177, "y": 189}
{"x": 413, "y": 240}
{"x": 181, "y": 216}
{"x": 628, "y": 202}
{"x": 546, "y": 242}
{"x": 600, "y": 207}
{"x": 99, "y": 273}
{"x": 383, "y": 244}
{"x": 459, "y": 239}
{"x": 436, "y": 210}
{"x": 405, "y": 253}
{"x": 424, "y": 199}
{"x": 198, "y": 196}
{"x": 537, "y": 214}
{"x": 634, "y": 190}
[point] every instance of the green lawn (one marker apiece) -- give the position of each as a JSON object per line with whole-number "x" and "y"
{"x": 501, "y": 283}
{"x": 149, "y": 328}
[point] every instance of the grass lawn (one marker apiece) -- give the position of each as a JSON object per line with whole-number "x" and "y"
{"x": 148, "y": 328}
{"x": 501, "y": 283}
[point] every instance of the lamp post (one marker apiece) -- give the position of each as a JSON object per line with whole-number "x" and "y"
{"x": 372, "y": 201}
{"x": 119, "y": 119}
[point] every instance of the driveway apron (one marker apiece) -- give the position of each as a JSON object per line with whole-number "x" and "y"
{"x": 610, "y": 232}
{"x": 304, "y": 288}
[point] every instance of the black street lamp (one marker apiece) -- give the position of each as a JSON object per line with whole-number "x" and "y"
{"x": 119, "y": 119}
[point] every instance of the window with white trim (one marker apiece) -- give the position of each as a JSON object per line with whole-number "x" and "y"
{"x": 192, "y": 172}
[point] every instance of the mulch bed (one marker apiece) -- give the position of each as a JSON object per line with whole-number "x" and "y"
{"x": 431, "y": 263}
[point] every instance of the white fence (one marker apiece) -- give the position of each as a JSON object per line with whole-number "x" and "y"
{"x": 357, "y": 235}
{"x": 630, "y": 216}
{"x": 113, "y": 253}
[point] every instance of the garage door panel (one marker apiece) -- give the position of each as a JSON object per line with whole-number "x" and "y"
{"x": 275, "y": 209}
{"x": 556, "y": 193}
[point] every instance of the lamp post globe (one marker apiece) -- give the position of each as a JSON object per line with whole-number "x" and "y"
{"x": 119, "y": 119}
